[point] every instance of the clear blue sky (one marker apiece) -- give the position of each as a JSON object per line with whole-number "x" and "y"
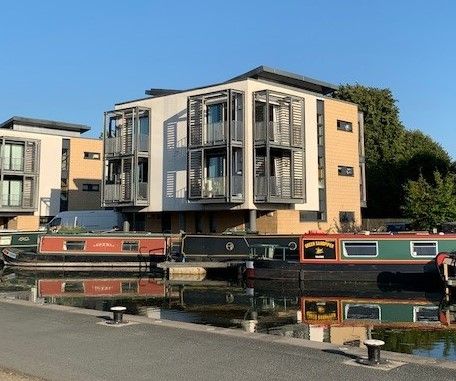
{"x": 71, "y": 61}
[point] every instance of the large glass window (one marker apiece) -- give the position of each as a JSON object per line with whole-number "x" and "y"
{"x": 11, "y": 192}
{"x": 13, "y": 157}
{"x": 215, "y": 122}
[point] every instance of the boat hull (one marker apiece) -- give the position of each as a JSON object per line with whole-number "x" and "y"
{"x": 386, "y": 273}
{"x": 76, "y": 262}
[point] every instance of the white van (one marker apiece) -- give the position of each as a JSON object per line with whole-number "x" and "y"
{"x": 91, "y": 220}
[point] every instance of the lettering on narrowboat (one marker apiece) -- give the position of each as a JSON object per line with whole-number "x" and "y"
{"x": 319, "y": 250}
{"x": 320, "y": 310}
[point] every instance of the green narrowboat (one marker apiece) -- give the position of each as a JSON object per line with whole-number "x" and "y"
{"x": 380, "y": 258}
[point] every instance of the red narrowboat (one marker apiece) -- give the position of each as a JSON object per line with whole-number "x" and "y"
{"x": 84, "y": 251}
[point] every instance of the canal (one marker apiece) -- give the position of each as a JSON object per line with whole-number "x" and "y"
{"x": 409, "y": 321}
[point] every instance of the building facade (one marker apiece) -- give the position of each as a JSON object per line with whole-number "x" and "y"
{"x": 267, "y": 151}
{"x": 46, "y": 167}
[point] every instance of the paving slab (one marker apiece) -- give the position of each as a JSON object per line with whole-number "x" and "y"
{"x": 66, "y": 343}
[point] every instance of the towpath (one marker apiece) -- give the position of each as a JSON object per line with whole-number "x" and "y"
{"x": 66, "y": 343}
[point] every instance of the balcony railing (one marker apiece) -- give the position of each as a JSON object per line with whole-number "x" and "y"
{"x": 216, "y": 133}
{"x": 143, "y": 190}
{"x": 113, "y": 145}
{"x": 143, "y": 144}
{"x": 237, "y": 131}
{"x": 214, "y": 187}
{"x": 112, "y": 192}
{"x": 237, "y": 186}
{"x": 279, "y": 187}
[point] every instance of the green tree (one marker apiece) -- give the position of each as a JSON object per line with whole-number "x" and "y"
{"x": 394, "y": 155}
{"x": 428, "y": 205}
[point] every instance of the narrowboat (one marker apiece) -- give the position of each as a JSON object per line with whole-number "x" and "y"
{"x": 82, "y": 251}
{"x": 380, "y": 258}
{"x": 26, "y": 240}
{"x": 232, "y": 247}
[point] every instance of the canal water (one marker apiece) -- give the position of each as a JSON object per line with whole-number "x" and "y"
{"x": 409, "y": 321}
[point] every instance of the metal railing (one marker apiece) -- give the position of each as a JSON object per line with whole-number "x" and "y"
{"x": 112, "y": 192}
{"x": 279, "y": 187}
{"x": 279, "y": 133}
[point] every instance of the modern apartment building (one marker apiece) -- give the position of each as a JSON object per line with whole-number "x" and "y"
{"x": 46, "y": 167}
{"x": 266, "y": 151}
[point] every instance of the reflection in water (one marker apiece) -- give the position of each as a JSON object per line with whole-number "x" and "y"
{"x": 410, "y": 321}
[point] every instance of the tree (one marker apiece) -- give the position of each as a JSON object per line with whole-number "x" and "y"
{"x": 394, "y": 155}
{"x": 428, "y": 205}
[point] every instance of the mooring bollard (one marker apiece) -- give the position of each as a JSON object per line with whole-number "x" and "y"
{"x": 373, "y": 350}
{"x": 118, "y": 312}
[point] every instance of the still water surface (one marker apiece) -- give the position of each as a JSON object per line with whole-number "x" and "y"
{"x": 408, "y": 321}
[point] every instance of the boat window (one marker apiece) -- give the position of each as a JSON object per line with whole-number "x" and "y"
{"x": 423, "y": 249}
{"x": 129, "y": 287}
{"x": 362, "y": 312}
{"x": 130, "y": 246}
{"x": 73, "y": 287}
{"x": 74, "y": 245}
{"x": 426, "y": 314}
{"x": 360, "y": 249}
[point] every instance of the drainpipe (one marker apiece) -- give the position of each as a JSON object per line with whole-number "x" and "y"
{"x": 252, "y": 220}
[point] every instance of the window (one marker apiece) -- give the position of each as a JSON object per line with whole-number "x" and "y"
{"x": 360, "y": 249}
{"x": 426, "y": 314}
{"x": 216, "y": 116}
{"x": 91, "y": 187}
{"x": 344, "y": 126}
{"x": 345, "y": 217}
{"x": 74, "y": 245}
{"x": 13, "y": 157}
{"x": 130, "y": 246}
{"x": 362, "y": 312}
{"x": 308, "y": 215}
{"x": 423, "y": 249}
{"x": 92, "y": 155}
{"x": 344, "y": 171}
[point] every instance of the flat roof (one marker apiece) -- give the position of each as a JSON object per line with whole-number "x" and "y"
{"x": 43, "y": 123}
{"x": 287, "y": 78}
{"x": 261, "y": 72}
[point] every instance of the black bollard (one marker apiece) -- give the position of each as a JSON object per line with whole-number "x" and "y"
{"x": 118, "y": 312}
{"x": 373, "y": 351}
